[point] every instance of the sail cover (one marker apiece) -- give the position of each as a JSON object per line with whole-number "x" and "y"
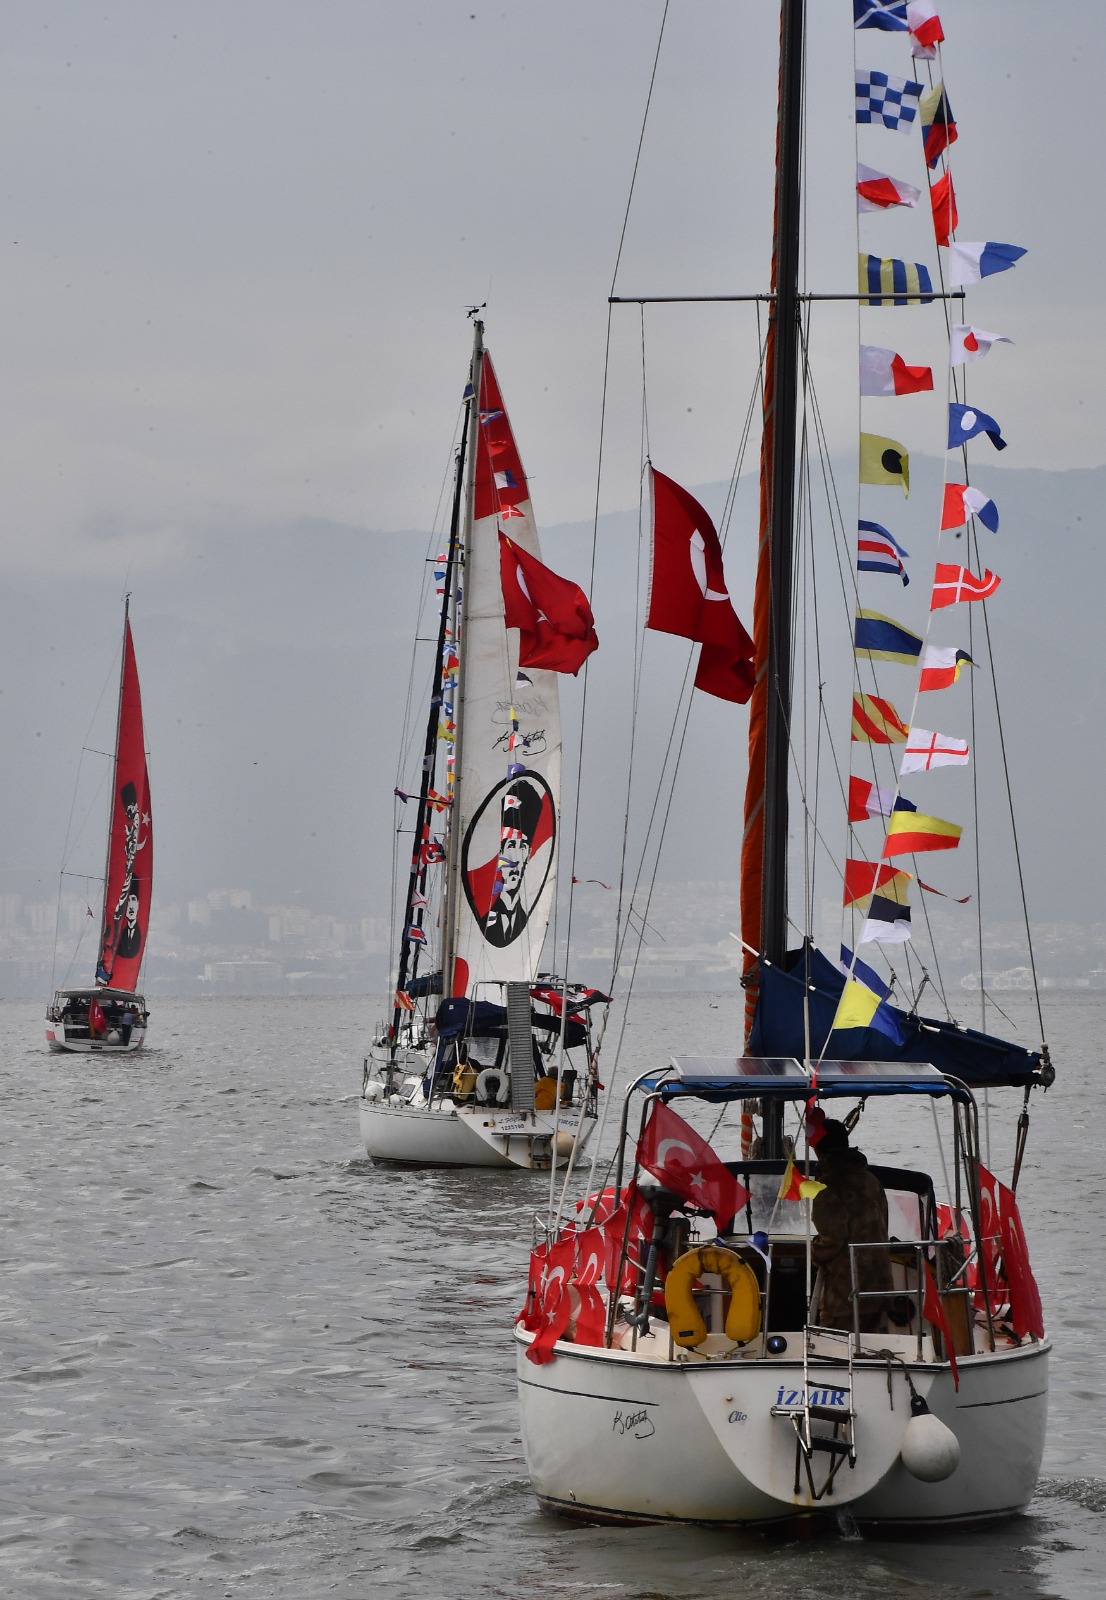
{"x": 511, "y": 752}
{"x": 130, "y": 867}
{"x": 779, "y": 1029}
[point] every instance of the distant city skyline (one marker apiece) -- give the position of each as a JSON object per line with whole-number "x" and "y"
{"x": 223, "y": 942}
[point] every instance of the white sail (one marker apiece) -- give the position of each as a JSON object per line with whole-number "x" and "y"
{"x": 504, "y": 831}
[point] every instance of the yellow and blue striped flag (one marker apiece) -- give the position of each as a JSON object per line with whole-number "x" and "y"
{"x": 884, "y": 281}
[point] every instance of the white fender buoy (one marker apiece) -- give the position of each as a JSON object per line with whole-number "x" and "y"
{"x": 930, "y": 1451}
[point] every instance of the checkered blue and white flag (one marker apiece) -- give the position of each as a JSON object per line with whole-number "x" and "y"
{"x": 892, "y": 102}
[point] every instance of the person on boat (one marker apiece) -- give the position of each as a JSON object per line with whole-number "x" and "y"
{"x": 126, "y": 1023}
{"x": 508, "y": 915}
{"x": 851, "y": 1209}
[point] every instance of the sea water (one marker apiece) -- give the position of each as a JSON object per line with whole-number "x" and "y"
{"x": 237, "y": 1359}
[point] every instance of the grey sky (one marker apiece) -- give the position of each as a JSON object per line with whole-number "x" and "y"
{"x": 239, "y": 243}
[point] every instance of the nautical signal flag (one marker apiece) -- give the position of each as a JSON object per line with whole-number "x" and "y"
{"x": 884, "y": 372}
{"x": 938, "y": 124}
{"x": 853, "y": 967}
{"x": 911, "y": 832}
{"x": 875, "y": 721}
{"x": 966, "y": 423}
{"x": 867, "y": 800}
{"x": 875, "y": 191}
{"x": 962, "y": 501}
{"x": 952, "y": 583}
{"x": 971, "y": 344}
{"x": 925, "y": 750}
{"x": 889, "y": 15}
{"x": 961, "y": 900}
{"x": 404, "y": 1001}
{"x": 556, "y": 627}
{"x": 878, "y": 551}
{"x": 885, "y": 281}
{"x": 863, "y": 878}
{"x": 795, "y": 1185}
{"x": 942, "y": 199}
{"x": 925, "y": 25}
{"x": 884, "y": 461}
{"x": 888, "y": 919}
{"x": 941, "y": 666}
{"x": 416, "y": 935}
{"x": 863, "y": 1002}
{"x": 887, "y": 102}
{"x": 688, "y": 595}
{"x": 969, "y": 263}
{"x": 881, "y": 638}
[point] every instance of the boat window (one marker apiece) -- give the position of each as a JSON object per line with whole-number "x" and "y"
{"x": 905, "y": 1218}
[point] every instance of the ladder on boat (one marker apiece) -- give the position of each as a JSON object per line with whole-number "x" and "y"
{"x": 822, "y": 1428}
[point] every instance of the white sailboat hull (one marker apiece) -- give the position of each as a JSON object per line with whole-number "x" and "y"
{"x": 620, "y": 1437}
{"x": 57, "y": 1038}
{"x": 469, "y": 1136}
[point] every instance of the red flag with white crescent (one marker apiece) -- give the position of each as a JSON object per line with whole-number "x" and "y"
{"x": 688, "y": 595}
{"x": 683, "y": 1161}
{"x": 556, "y": 627}
{"x": 554, "y": 1306}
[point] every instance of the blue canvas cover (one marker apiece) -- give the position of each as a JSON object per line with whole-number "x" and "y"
{"x": 426, "y": 983}
{"x": 975, "y": 1058}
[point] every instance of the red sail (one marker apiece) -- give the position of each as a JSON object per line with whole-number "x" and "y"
{"x": 130, "y": 870}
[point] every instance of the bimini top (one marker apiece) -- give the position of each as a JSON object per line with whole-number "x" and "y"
{"x": 95, "y": 993}
{"x": 784, "y": 1078}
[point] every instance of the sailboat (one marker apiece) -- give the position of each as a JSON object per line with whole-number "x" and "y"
{"x": 487, "y": 1060}
{"x": 110, "y": 1016}
{"x": 748, "y": 1319}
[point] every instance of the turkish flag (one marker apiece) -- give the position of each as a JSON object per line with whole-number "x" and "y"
{"x": 688, "y": 595}
{"x": 97, "y": 1022}
{"x": 684, "y": 1162}
{"x": 556, "y": 627}
{"x": 1007, "y": 1255}
{"x": 934, "y": 1313}
{"x": 553, "y": 1308}
{"x": 590, "y": 1313}
{"x": 590, "y": 1257}
{"x": 630, "y": 1223}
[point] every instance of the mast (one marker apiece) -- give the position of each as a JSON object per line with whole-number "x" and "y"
{"x": 115, "y": 763}
{"x": 453, "y": 856}
{"x": 764, "y": 845}
{"x": 416, "y": 881}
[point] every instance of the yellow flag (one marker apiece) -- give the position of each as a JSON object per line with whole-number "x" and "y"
{"x": 856, "y": 1007}
{"x": 884, "y": 461}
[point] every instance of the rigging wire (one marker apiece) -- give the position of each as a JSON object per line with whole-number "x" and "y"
{"x": 411, "y": 731}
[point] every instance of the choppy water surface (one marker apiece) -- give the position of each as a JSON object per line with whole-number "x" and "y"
{"x": 237, "y": 1359}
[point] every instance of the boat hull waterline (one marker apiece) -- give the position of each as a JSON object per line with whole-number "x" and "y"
{"x": 618, "y": 1438}
{"x": 458, "y": 1136}
{"x": 100, "y": 1047}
